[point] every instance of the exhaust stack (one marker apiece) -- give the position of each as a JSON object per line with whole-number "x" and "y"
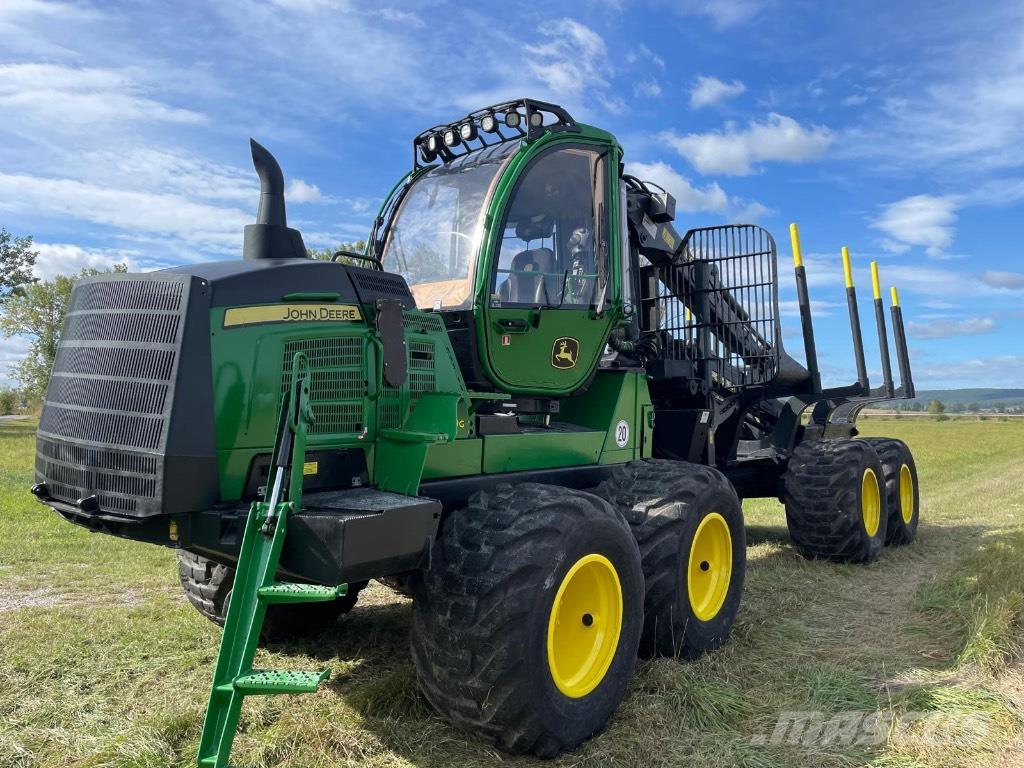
{"x": 270, "y": 237}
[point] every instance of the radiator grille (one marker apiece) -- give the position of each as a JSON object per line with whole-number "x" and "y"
{"x": 337, "y": 382}
{"x": 113, "y": 362}
{"x": 381, "y": 283}
{"x": 392, "y": 404}
{"x": 130, "y": 294}
{"x": 122, "y": 326}
{"x": 421, "y": 366}
{"x": 103, "y": 428}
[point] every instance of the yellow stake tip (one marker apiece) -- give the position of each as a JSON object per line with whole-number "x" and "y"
{"x": 794, "y": 239}
{"x": 847, "y": 268}
{"x": 895, "y": 296}
{"x": 875, "y": 282}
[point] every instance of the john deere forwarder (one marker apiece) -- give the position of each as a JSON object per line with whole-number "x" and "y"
{"x": 531, "y": 404}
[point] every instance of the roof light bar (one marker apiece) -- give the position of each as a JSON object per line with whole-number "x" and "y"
{"x": 519, "y": 120}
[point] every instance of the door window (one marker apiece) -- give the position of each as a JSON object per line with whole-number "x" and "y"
{"x": 553, "y": 250}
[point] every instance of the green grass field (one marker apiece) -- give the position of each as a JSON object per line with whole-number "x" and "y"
{"x": 104, "y": 663}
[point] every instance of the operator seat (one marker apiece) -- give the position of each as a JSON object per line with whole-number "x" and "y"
{"x": 531, "y": 270}
{"x": 526, "y": 284}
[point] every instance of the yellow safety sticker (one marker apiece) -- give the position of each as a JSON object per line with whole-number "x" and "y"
{"x": 291, "y": 313}
{"x": 310, "y": 468}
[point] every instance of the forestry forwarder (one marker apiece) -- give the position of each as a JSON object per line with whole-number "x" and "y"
{"x": 530, "y": 404}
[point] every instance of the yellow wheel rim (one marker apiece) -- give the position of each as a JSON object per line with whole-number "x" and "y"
{"x": 709, "y": 569}
{"x": 906, "y": 493}
{"x": 870, "y": 502}
{"x": 584, "y": 626}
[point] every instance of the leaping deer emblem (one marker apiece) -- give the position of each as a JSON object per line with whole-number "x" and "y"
{"x": 564, "y": 352}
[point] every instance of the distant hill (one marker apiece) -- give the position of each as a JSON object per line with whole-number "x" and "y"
{"x": 985, "y": 397}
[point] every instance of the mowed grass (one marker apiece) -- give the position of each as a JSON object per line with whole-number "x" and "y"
{"x": 103, "y": 663}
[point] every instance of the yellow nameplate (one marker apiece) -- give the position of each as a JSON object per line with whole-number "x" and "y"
{"x": 291, "y": 313}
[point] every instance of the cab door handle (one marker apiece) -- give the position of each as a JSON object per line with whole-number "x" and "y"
{"x": 512, "y": 324}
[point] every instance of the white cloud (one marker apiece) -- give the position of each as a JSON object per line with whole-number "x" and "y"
{"x": 735, "y": 151}
{"x": 64, "y": 258}
{"x": 999, "y": 371}
{"x": 300, "y": 191}
{"x": 648, "y": 89}
{"x": 711, "y": 90}
{"x": 166, "y": 170}
{"x": 1013, "y": 281}
{"x": 854, "y": 100}
{"x": 891, "y": 246}
{"x": 208, "y": 226}
{"x": 69, "y": 98}
{"x": 692, "y": 199}
{"x": 724, "y": 13}
{"x": 405, "y": 18}
{"x": 925, "y": 220}
{"x": 12, "y": 352}
{"x": 963, "y": 108}
{"x": 819, "y": 308}
{"x": 944, "y": 328}
{"x": 651, "y": 56}
{"x": 572, "y": 61}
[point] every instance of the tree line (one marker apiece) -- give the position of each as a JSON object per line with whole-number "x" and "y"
{"x": 34, "y": 310}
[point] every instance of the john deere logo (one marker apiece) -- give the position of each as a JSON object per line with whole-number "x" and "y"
{"x": 564, "y": 352}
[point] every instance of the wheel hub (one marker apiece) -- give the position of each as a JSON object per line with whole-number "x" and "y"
{"x": 584, "y": 626}
{"x": 906, "y": 494}
{"x": 870, "y": 502}
{"x": 709, "y": 569}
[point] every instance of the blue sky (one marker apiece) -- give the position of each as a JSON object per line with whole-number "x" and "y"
{"x": 896, "y": 128}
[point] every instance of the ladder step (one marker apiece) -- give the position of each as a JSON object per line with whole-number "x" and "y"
{"x": 271, "y": 681}
{"x": 283, "y": 592}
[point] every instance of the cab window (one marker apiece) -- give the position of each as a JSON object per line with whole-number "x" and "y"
{"x": 553, "y": 251}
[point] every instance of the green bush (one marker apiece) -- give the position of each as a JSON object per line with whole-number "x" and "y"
{"x": 9, "y": 401}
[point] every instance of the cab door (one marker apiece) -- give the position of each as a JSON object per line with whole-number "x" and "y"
{"x": 545, "y": 316}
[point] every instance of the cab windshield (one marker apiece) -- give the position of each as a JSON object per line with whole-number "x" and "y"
{"x": 434, "y": 238}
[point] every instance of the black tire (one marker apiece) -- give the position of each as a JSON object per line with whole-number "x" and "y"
{"x": 481, "y": 616}
{"x": 895, "y": 455}
{"x": 665, "y": 503}
{"x": 825, "y": 508}
{"x": 208, "y": 586}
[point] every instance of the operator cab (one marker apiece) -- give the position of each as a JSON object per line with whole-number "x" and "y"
{"x": 508, "y": 241}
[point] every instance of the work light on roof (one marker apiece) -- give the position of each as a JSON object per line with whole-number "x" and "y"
{"x": 513, "y": 119}
{"x": 489, "y": 122}
{"x": 536, "y": 119}
{"x": 433, "y": 143}
{"x": 467, "y": 131}
{"x": 451, "y": 138}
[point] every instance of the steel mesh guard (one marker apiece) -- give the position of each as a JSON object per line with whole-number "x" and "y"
{"x": 716, "y": 307}
{"x": 103, "y": 429}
